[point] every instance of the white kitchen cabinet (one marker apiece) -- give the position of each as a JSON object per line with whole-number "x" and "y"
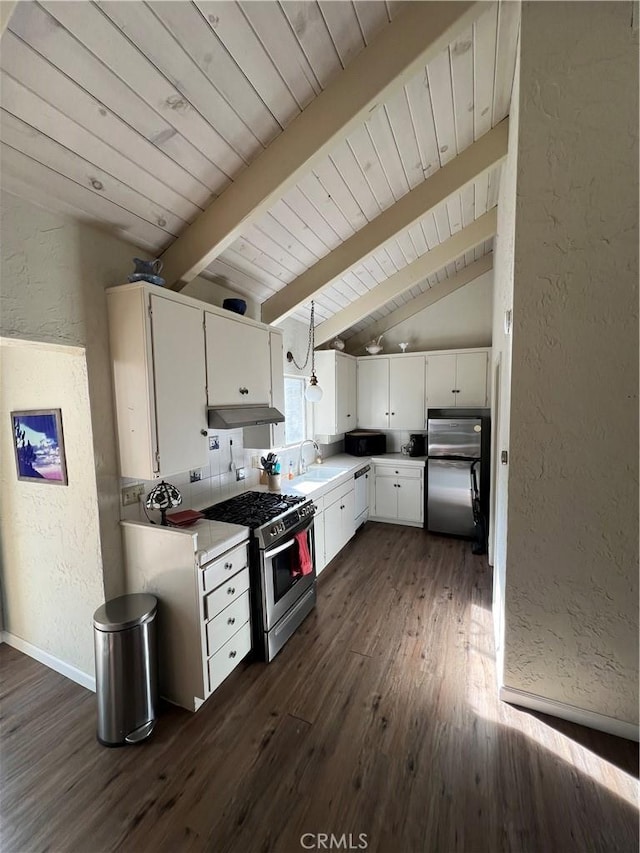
{"x": 373, "y": 393}
{"x": 339, "y": 523}
{"x": 391, "y": 392}
{"x": 406, "y": 393}
{"x": 456, "y": 379}
{"x": 399, "y": 493}
{"x": 203, "y": 610}
{"x": 318, "y": 533}
{"x": 277, "y": 386}
{"x": 238, "y": 362}
{"x": 157, "y": 351}
{"x": 336, "y": 412}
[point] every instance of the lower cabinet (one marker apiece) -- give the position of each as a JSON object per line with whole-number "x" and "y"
{"x": 318, "y": 532}
{"x": 204, "y": 613}
{"x": 338, "y": 520}
{"x": 399, "y": 494}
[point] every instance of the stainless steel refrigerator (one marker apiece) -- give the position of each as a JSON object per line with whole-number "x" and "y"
{"x": 454, "y": 447}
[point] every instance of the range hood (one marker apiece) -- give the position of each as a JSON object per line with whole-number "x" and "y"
{"x": 233, "y": 417}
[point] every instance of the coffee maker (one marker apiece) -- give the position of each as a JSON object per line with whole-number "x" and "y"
{"x": 416, "y": 445}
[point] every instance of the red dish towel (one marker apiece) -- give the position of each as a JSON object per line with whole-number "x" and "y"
{"x": 303, "y": 565}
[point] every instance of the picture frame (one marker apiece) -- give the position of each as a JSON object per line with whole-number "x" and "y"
{"x": 38, "y": 444}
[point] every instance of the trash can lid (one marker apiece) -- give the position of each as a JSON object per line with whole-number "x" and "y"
{"x": 126, "y": 611}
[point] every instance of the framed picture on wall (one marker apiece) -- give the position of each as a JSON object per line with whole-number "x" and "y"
{"x": 39, "y": 446}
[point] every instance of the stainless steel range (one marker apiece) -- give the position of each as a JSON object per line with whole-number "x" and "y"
{"x": 281, "y": 596}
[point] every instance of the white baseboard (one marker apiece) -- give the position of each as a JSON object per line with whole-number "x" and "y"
{"x": 569, "y": 712}
{"x": 49, "y": 660}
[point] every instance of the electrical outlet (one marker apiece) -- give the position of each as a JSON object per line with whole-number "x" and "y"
{"x": 255, "y": 462}
{"x": 240, "y": 475}
{"x": 132, "y": 494}
{"x": 195, "y": 476}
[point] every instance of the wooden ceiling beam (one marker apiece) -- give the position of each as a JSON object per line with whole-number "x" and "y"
{"x": 478, "y": 158}
{"x": 430, "y": 297}
{"x": 482, "y": 229}
{"x": 417, "y": 35}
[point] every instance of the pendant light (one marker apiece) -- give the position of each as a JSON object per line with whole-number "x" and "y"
{"x": 313, "y": 391}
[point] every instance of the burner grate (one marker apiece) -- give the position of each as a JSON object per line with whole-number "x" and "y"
{"x": 252, "y": 509}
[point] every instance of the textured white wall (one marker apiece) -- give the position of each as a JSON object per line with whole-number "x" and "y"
{"x": 571, "y": 619}
{"x": 52, "y": 563}
{"x": 504, "y": 248}
{"x": 461, "y": 319}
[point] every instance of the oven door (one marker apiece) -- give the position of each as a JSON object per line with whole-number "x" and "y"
{"x": 280, "y": 588}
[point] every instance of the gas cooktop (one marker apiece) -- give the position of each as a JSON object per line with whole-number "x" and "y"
{"x": 253, "y": 509}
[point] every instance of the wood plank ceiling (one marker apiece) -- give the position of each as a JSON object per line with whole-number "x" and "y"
{"x": 137, "y": 115}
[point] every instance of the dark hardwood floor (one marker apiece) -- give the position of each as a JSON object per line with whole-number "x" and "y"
{"x": 379, "y": 717}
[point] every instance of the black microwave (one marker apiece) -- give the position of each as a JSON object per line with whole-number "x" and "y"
{"x": 365, "y": 442}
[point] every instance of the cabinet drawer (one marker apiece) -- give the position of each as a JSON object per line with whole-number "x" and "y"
{"x": 226, "y": 593}
{"x": 408, "y": 471}
{"x": 221, "y": 570}
{"x": 338, "y": 493}
{"x": 226, "y": 623}
{"x": 229, "y": 656}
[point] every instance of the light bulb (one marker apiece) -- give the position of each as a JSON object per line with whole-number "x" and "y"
{"x": 313, "y": 393}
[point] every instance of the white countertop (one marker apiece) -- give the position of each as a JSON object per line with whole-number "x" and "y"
{"x": 210, "y": 538}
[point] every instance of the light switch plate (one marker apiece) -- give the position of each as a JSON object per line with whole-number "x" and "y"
{"x": 132, "y": 494}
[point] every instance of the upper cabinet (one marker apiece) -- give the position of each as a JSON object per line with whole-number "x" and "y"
{"x": 456, "y": 379}
{"x": 391, "y": 392}
{"x": 406, "y": 393}
{"x": 172, "y": 356}
{"x": 238, "y": 362}
{"x": 336, "y": 412}
{"x": 157, "y": 349}
{"x": 373, "y": 393}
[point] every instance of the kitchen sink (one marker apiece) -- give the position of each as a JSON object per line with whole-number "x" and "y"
{"x": 320, "y": 474}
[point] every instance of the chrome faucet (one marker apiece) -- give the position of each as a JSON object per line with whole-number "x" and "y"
{"x": 302, "y": 465}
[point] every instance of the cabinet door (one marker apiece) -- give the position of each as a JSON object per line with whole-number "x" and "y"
{"x": 179, "y": 382}
{"x": 277, "y": 387}
{"x": 386, "y": 497}
{"x": 406, "y": 393}
{"x": 348, "y": 516}
{"x": 441, "y": 380}
{"x": 238, "y": 362}
{"x": 346, "y": 394}
{"x": 318, "y": 531}
{"x": 373, "y": 393}
{"x": 471, "y": 379}
{"x": 332, "y": 530}
{"x": 410, "y": 505}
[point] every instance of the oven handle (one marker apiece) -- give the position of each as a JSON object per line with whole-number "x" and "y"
{"x": 278, "y": 550}
{"x": 304, "y": 528}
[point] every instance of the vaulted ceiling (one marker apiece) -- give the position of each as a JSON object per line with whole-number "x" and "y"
{"x": 143, "y": 116}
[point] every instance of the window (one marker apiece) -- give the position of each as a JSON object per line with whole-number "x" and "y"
{"x": 295, "y": 410}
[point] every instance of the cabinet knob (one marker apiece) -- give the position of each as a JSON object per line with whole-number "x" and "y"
{"x": 348, "y": 416}
{"x": 231, "y": 590}
{"x": 393, "y": 413}
{"x": 386, "y": 413}
{"x": 243, "y": 390}
{"x": 231, "y": 620}
{"x": 203, "y": 432}
{"x": 233, "y": 653}
{"x": 228, "y": 565}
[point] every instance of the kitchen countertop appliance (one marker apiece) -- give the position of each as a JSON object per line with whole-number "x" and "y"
{"x": 280, "y": 597}
{"x": 454, "y": 474}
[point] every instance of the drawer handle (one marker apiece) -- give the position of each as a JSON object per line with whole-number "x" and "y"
{"x": 231, "y": 620}
{"x": 244, "y": 390}
{"x": 233, "y": 653}
{"x": 231, "y": 590}
{"x": 228, "y": 565}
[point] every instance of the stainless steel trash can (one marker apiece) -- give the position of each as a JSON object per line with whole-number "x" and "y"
{"x": 126, "y": 668}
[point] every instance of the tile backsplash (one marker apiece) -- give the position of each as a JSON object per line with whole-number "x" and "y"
{"x": 217, "y": 481}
